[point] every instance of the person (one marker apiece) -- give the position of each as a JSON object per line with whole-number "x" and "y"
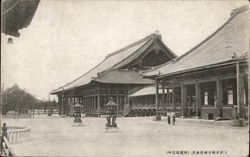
{"x": 4, "y": 134}
{"x": 4, "y": 130}
{"x": 169, "y": 122}
{"x": 173, "y": 118}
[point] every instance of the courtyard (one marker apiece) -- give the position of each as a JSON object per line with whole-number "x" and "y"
{"x": 137, "y": 136}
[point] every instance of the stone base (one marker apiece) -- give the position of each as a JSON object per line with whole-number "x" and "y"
{"x": 198, "y": 118}
{"x": 221, "y": 118}
{"x": 183, "y": 116}
{"x": 63, "y": 116}
{"x": 239, "y": 122}
{"x": 157, "y": 118}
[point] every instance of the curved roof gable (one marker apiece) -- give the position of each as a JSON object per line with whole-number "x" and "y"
{"x": 232, "y": 37}
{"x": 119, "y": 57}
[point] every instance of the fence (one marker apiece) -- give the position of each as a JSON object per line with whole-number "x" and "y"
{"x": 6, "y": 149}
{"x": 30, "y": 113}
{"x": 18, "y": 134}
{"x": 15, "y": 134}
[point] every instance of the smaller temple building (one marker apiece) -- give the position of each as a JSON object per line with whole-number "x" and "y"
{"x": 142, "y": 102}
{"x": 211, "y": 80}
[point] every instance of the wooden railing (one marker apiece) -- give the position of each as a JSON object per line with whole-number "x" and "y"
{"x": 18, "y": 134}
{"x": 127, "y": 109}
{"x": 6, "y": 149}
{"x": 153, "y": 106}
{"x": 143, "y": 106}
{"x": 15, "y": 134}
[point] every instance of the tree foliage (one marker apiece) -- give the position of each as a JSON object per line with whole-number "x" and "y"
{"x": 17, "y": 99}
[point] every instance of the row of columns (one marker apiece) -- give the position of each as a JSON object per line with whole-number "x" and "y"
{"x": 91, "y": 103}
{"x": 164, "y": 102}
{"x": 219, "y": 97}
{"x": 184, "y": 98}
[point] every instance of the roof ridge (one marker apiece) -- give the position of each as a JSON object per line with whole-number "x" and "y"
{"x": 118, "y": 51}
{"x": 233, "y": 15}
{"x": 155, "y": 34}
{"x": 166, "y": 47}
{"x": 230, "y": 61}
{"x": 240, "y": 9}
{"x": 104, "y": 71}
{"x": 132, "y": 45}
{"x": 158, "y": 66}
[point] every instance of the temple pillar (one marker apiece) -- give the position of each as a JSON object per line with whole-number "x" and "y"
{"x": 240, "y": 92}
{"x": 62, "y": 111}
{"x": 173, "y": 98}
{"x": 93, "y": 104}
{"x": 198, "y": 99}
{"x": 128, "y": 95}
{"x": 117, "y": 100}
{"x": 163, "y": 99}
{"x": 98, "y": 102}
{"x": 158, "y": 117}
{"x": 59, "y": 104}
{"x": 109, "y": 93}
{"x": 84, "y": 104}
{"x": 183, "y": 100}
{"x": 168, "y": 97}
{"x": 87, "y": 103}
{"x": 219, "y": 102}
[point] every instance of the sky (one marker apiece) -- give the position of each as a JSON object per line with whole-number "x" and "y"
{"x": 66, "y": 38}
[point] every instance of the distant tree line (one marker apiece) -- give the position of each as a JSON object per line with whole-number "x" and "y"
{"x": 20, "y": 101}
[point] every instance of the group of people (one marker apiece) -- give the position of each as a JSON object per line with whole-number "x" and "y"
{"x": 171, "y": 118}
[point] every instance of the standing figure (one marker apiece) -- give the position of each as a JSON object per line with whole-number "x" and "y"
{"x": 4, "y": 134}
{"x": 173, "y": 118}
{"x": 169, "y": 120}
{"x": 4, "y": 130}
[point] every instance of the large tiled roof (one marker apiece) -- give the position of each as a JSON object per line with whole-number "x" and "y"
{"x": 232, "y": 37}
{"x": 112, "y": 62}
{"x": 16, "y": 15}
{"x": 123, "y": 77}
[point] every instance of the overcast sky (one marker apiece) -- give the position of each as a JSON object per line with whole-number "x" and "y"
{"x": 66, "y": 38}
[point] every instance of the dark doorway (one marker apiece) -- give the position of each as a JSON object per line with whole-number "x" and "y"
{"x": 191, "y": 107}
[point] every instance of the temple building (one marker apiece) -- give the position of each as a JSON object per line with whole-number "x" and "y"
{"x": 117, "y": 76}
{"x": 211, "y": 80}
{"x": 142, "y": 102}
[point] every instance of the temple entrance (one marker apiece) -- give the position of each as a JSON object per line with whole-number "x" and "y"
{"x": 208, "y": 94}
{"x": 191, "y": 107}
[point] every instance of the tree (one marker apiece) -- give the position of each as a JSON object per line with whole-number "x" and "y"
{"x": 17, "y": 99}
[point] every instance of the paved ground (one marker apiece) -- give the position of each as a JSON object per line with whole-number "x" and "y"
{"x": 54, "y": 136}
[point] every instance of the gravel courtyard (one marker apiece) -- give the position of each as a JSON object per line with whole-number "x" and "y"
{"x": 137, "y": 136}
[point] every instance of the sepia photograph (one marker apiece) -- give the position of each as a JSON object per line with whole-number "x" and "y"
{"x": 124, "y": 78}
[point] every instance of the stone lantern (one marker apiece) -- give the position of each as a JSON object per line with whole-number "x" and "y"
{"x": 112, "y": 112}
{"x": 77, "y": 113}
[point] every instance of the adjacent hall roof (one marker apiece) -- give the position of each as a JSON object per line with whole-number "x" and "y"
{"x": 123, "y": 77}
{"x": 149, "y": 90}
{"x": 112, "y": 63}
{"x": 229, "y": 39}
